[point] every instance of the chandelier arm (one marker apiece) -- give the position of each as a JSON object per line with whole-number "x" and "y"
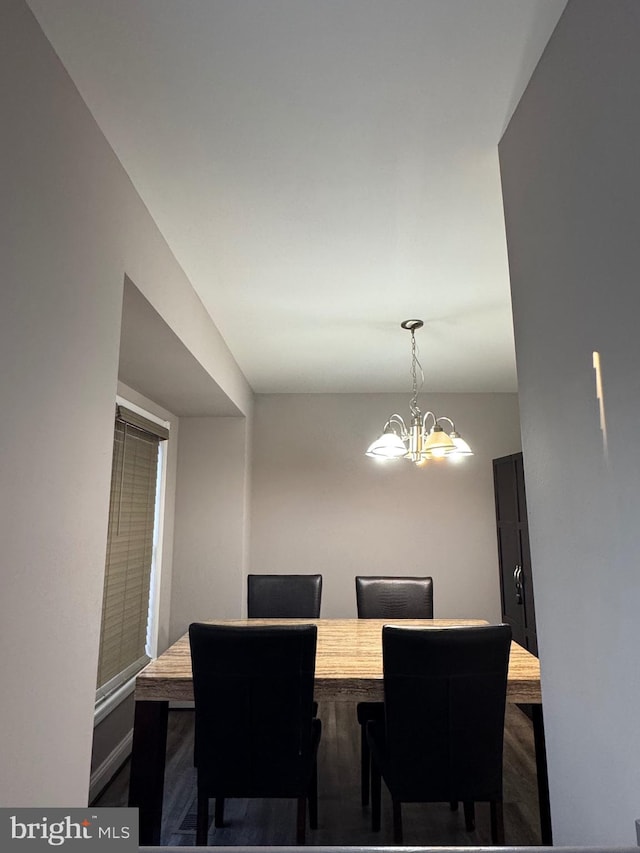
{"x": 398, "y": 421}
{"x": 424, "y": 420}
{"x": 444, "y": 418}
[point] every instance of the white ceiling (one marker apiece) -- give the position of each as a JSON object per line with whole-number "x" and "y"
{"x": 322, "y": 170}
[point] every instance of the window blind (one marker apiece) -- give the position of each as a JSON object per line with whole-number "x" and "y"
{"x": 125, "y": 603}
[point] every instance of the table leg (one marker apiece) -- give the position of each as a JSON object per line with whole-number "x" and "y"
{"x": 146, "y": 782}
{"x": 541, "y": 772}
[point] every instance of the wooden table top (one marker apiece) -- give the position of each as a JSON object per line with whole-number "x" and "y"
{"x": 348, "y": 662}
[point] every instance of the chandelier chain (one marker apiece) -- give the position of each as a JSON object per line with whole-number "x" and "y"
{"x": 415, "y": 365}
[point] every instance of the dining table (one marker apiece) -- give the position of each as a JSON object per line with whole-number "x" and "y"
{"x": 348, "y": 668}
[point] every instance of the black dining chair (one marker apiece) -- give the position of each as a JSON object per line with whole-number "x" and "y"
{"x": 386, "y": 597}
{"x": 284, "y": 596}
{"x": 441, "y": 739}
{"x": 255, "y": 733}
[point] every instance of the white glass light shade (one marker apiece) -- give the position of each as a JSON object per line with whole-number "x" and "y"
{"x": 388, "y": 446}
{"x": 461, "y": 446}
{"x": 438, "y": 443}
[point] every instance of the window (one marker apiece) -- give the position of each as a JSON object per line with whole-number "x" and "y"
{"x": 130, "y": 547}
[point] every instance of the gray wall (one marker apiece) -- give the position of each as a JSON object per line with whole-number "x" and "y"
{"x": 571, "y": 177}
{"x": 210, "y": 522}
{"x": 318, "y": 504}
{"x": 72, "y": 227}
{"x": 108, "y": 738}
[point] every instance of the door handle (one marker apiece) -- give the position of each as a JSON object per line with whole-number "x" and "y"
{"x": 517, "y": 579}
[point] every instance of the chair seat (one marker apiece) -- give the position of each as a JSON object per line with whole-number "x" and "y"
{"x": 369, "y": 711}
{"x": 269, "y": 787}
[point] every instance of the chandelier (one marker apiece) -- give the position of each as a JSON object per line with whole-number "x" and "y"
{"x": 424, "y": 438}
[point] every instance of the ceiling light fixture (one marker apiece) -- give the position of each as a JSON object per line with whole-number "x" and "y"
{"x": 425, "y": 438}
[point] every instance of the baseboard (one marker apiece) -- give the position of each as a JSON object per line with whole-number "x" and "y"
{"x": 103, "y": 774}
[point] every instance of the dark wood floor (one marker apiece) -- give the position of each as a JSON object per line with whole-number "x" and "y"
{"x": 342, "y": 819}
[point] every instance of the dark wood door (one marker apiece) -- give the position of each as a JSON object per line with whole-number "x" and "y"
{"x": 510, "y": 561}
{"x": 516, "y": 584}
{"x": 527, "y": 592}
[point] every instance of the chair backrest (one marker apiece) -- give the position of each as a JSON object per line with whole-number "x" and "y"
{"x": 445, "y": 693}
{"x": 394, "y": 598}
{"x": 253, "y": 692}
{"x": 284, "y": 596}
